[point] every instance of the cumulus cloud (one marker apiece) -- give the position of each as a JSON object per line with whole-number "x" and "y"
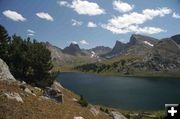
{"x": 45, "y": 16}
{"x": 91, "y": 24}
{"x": 145, "y": 30}
{"x": 84, "y": 42}
{"x": 76, "y": 22}
{"x": 13, "y": 15}
{"x": 83, "y": 7}
{"x": 175, "y": 15}
{"x": 130, "y": 22}
{"x": 30, "y": 31}
{"x": 122, "y": 6}
{"x": 30, "y": 34}
{"x": 74, "y": 42}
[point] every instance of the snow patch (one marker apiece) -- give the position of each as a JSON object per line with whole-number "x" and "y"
{"x": 93, "y": 54}
{"x": 148, "y": 43}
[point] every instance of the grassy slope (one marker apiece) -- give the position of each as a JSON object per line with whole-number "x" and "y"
{"x": 36, "y": 108}
{"x": 133, "y": 71}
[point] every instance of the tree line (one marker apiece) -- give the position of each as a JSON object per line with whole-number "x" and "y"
{"x": 28, "y": 60}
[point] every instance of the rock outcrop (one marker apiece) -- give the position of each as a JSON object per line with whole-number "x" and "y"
{"x": 117, "y": 115}
{"x": 14, "y": 96}
{"x": 53, "y": 94}
{"x": 4, "y": 72}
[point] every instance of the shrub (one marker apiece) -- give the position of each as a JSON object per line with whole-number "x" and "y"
{"x": 83, "y": 101}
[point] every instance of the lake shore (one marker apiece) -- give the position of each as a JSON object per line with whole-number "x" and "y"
{"x": 139, "y": 74}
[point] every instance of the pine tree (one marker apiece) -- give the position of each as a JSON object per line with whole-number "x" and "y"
{"x": 4, "y": 41}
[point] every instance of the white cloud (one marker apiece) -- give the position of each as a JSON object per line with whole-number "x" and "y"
{"x": 84, "y": 42}
{"x": 175, "y": 15}
{"x": 145, "y": 30}
{"x": 76, "y": 22}
{"x": 45, "y": 16}
{"x": 13, "y": 15}
{"x": 64, "y": 3}
{"x": 30, "y": 34}
{"x": 91, "y": 24}
{"x": 129, "y": 22}
{"x": 84, "y": 7}
{"x": 134, "y": 29}
{"x": 122, "y": 6}
{"x": 74, "y": 42}
{"x": 30, "y": 31}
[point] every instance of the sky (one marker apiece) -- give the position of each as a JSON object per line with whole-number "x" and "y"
{"x": 90, "y": 23}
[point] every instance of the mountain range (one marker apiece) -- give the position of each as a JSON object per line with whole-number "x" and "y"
{"x": 141, "y": 53}
{"x": 73, "y": 55}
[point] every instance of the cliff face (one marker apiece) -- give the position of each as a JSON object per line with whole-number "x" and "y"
{"x": 4, "y": 71}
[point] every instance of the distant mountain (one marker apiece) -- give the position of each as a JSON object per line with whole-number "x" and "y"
{"x": 57, "y": 55}
{"x": 137, "y": 45}
{"x": 176, "y": 38}
{"x": 118, "y": 48}
{"x": 100, "y": 50}
{"x": 71, "y": 55}
{"x": 142, "y": 55}
{"x": 73, "y": 49}
{"x": 165, "y": 55}
{"x": 137, "y": 39}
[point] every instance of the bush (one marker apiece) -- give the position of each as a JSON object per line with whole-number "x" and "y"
{"x": 107, "y": 111}
{"x": 83, "y": 101}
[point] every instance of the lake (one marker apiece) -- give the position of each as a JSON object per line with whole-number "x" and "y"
{"x": 131, "y": 93}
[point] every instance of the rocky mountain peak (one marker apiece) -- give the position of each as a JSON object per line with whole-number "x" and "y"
{"x": 72, "y": 49}
{"x": 137, "y": 39}
{"x": 118, "y": 48}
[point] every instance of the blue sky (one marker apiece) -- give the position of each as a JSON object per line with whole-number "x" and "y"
{"x": 90, "y": 23}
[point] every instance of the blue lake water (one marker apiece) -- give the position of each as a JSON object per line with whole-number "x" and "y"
{"x": 131, "y": 93}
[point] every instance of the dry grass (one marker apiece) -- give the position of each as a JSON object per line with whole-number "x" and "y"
{"x": 35, "y": 107}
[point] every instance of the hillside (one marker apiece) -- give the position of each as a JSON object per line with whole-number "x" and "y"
{"x": 142, "y": 56}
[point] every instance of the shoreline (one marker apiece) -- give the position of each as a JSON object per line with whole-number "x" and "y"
{"x": 122, "y": 75}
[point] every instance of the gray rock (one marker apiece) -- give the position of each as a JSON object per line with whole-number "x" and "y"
{"x": 53, "y": 94}
{"x": 117, "y": 115}
{"x": 14, "y": 96}
{"x": 78, "y": 117}
{"x": 4, "y": 72}
{"x": 27, "y": 90}
{"x": 94, "y": 111}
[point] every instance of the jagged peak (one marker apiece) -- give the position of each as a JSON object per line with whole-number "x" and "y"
{"x": 139, "y": 39}
{"x": 74, "y": 45}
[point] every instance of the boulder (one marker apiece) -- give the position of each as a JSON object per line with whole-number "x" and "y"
{"x": 27, "y": 90}
{"x": 56, "y": 86}
{"x": 14, "y": 96}
{"x": 94, "y": 111}
{"x": 4, "y": 72}
{"x": 53, "y": 94}
{"x": 117, "y": 115}
{"x": 78, "y": 117}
